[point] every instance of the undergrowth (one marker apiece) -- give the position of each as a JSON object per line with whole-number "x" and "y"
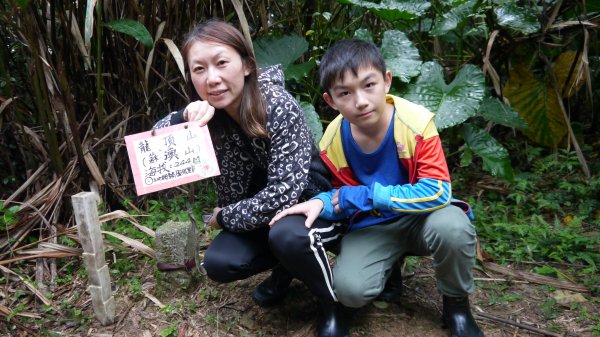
{"x": 547, "y": 220}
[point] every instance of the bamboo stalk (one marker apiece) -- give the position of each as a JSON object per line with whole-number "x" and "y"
{"x": 572, "y": 138}
{"x": 99, "y": 81}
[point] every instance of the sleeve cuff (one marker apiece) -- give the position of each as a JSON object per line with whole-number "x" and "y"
{"x": 380, "y": 196}
{"x": 177, "y": 118}
{"x": 327, "y": 212}
{"x": 220, "y": 220}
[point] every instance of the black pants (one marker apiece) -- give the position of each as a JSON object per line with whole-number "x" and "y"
{"x": 302, "y": 251}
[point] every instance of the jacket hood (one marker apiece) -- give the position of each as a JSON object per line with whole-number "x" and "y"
{"x": 272, "y": 75}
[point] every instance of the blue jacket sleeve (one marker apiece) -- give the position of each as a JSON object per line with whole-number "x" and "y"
{"x": 426, "y": 196}
{"x": 328, "y": 212}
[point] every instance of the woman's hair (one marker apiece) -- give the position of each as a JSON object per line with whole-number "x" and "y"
{"x": 253, "y": 115}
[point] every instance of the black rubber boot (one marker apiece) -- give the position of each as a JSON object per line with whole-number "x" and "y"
{"x": 331, "y": 323}
{"x": 393, "y": 286}
{"x": 458, "y": 318}
{"x": 272, "y": 290}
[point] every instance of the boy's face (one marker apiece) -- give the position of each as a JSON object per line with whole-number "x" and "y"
{"x": 360, "y": 99}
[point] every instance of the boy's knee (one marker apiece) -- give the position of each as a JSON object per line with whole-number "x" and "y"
{"x": 453, "y": 227}
{"x": 351, "y": 293}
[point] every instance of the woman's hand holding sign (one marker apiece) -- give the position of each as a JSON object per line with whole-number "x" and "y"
{"x": 199, "y": 111}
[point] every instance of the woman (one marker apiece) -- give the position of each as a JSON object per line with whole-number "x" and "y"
{"x": 267, "y": 158}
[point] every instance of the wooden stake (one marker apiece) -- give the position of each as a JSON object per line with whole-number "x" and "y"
{"x": 88, "y": 229}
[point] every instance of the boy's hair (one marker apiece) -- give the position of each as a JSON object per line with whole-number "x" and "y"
{"x": 350, "y": 54}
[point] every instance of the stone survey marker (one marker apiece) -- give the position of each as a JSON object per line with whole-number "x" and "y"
{"x": 171, "y": 156}
{"x": 177, "y": 258}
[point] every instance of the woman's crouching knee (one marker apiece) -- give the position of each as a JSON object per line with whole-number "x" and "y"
{"x": 288, "y": 235}
{"x": 220, "y": 269}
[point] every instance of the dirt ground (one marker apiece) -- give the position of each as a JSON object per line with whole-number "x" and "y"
{"x": 214, "y": 309}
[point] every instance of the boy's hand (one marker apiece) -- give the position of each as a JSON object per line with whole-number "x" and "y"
{"x": 311, "y": 209}
{"x": 199, "y": 111}
{"x": 335, "y": 201}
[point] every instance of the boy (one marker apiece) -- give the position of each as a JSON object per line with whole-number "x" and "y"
{"x": 392, "y": 189}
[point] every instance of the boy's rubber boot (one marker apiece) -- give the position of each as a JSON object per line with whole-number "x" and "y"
{"x": 273, "y": 289}
{"x": 393, "y": 286}
{"x": 331, "y": 323}
{"x": 458, "y": 318}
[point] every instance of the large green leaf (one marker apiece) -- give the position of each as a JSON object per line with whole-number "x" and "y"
{"x": 284, "y": 50}
{"x": 299, "y": 71}
{"x": 520, "y": 19}
{"x": 401, "y": 56}
{"x": 132, "y": 28}
{"x": 538, "y": 104}
{"x": 313, "y": 121}
{"x": 392, "y": 10}
{"x": 493, "y": 110}
{"x": 363, "y": 34}
{"x": 451, "y": 19}
{"x": 279, "y": 50}
{"x": 452, "y": 103}
{"x": 495, "y": 156}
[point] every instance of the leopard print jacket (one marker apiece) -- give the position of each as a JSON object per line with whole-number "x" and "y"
{"x": 262, "y": 176}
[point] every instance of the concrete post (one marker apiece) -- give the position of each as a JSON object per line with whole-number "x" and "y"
{"x": 88, "y": 228}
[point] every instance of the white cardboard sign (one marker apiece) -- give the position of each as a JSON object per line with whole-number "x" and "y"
{"x": 171, "y": 156}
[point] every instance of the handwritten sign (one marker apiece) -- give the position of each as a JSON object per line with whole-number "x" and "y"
{"x": 171, "y": 156}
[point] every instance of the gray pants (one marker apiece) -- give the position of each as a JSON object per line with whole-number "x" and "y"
{"x": 367, "y": 255}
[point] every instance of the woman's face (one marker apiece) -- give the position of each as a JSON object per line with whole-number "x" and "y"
{"x": 217, "y": 72}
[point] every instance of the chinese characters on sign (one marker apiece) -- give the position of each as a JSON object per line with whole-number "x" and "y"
{"x": 171, "y": 156}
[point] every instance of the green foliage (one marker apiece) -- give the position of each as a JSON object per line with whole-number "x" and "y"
{"x": 134, "y": 287}
{"x": 171, "y": 330}
{"x": 282, "y": 50}
{"x": 550, "y": 308}
{"x": 522, "y": 19}
{"x": 401, "y": 56}
{"x": 498, "y": 294}
{"x": 453, "y": 18}
{"x": 313, "y": 121}
{"x": 495, "y": 156}
{"x": 8, "y": 216}
{"x": 547, "y": 217}
{"x": 393, "y": 10}
{"x": 364, "y": 34}
{"x": 22, "y": 3}
{"x": 211, "y": 319}
{"x": 493, "y": 110}
{"x": 133, "y": 29}
{"x": 122, "y": 266}
{"x": 209, "y": 294}
{"x": 168, "y": 309}
{"x": 452, "y": 103}
{"x": 285, "y": 50}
